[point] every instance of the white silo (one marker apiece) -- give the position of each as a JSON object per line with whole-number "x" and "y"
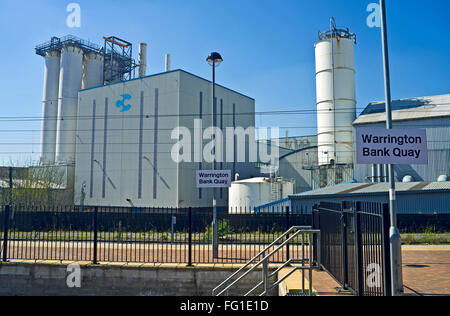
{"x": 92, "y": 70}
{"x": 50, "y": 106}
{"x": 69, "y": 85}
{"x": 336, "y": 97}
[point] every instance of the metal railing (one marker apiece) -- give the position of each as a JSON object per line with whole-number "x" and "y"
{"x": 355, "y": 245}
{"x": 290, "y": 235}
{"x": 143, "y": 235}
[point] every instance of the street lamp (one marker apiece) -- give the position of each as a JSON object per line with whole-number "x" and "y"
{"x": 214, "y": 59}
{"x": 394, "y": 234}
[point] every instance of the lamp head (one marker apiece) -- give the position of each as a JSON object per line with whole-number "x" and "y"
{"x": 214, "y": 58}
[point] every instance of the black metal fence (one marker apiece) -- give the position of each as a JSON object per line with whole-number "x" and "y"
{"x": 355, "y": 245}
{"x": 143, "y": 235}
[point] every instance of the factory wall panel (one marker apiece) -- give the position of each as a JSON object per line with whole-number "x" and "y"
{"x": 426, "y": 202}
{"x": 124, "y": 143}
{"x": 126, "y": 171}
{"x": 292, "y": 167}
{"x": 196, "y": 103}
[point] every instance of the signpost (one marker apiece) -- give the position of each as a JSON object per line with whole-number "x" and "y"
{"x": 213, "y": 179}
{"x": 395, "y": 146}
{"x": 392, "y": 147}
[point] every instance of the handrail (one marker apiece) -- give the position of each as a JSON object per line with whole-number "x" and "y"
{"x": 258, "y": 255}
{"x": 287, "y": 263}
{"x": 300, "y": 229}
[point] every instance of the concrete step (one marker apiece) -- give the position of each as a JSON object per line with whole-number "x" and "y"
{"x": 292, "y": 286}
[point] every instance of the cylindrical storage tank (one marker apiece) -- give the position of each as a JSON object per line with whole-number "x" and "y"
{"x": 246, "y": 195}
{"x": 336, "y": 97}
{"x": 69, "y": 85}
{"x": 142, "y": 60}
{"x": 50, "y": 106}
{"x": 442, "y": 178}
{"x": 408, "y": 179}
{"x": 92, "y": 70}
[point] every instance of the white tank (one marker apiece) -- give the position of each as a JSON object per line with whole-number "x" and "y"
{"x": 442, "y": 178}
{"x": 336, "y": 97}
{"x": 246, "y": 195}
{"x": 92, "y": 70}
{"x": 50, "y": 107}
{"x": 69, "y": 85}
{"x": 408, "y": 179}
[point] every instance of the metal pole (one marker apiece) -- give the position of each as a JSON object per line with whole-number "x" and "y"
{"x": 11, "y": 185}
{"x": 359, "y": 249}
{"x": 288, "y": 226}
{"x": 95, "y": 261}
{"x": 303, "y": 262}
{"x": 310, "y": 265}
{"x": 264, "y": 276}
{"x": 214, "y": 224}
{"x": 172, "y": 240}
{"x": 395, "y": 239}
{"x": 190, "y": 238}
{"x": 5, "y": 233}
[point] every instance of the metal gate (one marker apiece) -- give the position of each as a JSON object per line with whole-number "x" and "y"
{"x": 355, "y": 245}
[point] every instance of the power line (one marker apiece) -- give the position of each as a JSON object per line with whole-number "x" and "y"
{"x": 262, "y": 113}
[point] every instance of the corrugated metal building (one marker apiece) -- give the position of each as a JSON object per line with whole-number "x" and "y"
{"x": 296, "y": 156}
{"x": 124, "y": 140}
{"x": 412, "y": 198}
{"x": 430, "y": 113}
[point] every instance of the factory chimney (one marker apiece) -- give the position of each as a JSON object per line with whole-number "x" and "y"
{"x": 168, "y": 62}
{"x": 142, "y": 60}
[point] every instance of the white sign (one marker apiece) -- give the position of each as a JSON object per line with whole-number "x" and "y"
{"x": 395, "y": 146}
{"x": 213, "y": 179}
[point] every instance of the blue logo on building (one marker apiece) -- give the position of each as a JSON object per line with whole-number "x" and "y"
{"x": 121, "y": 103}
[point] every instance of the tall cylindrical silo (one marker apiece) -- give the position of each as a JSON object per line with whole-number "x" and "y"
{"x": 50, "y": 106}
{"x": 336, "y": 97}
{"x": 69, "y": 85}
{"x": 92, "y": 70}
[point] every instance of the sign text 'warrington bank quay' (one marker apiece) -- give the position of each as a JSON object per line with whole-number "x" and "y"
{"x": 396, "y": 146}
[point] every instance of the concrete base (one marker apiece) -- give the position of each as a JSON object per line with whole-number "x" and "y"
{"x": 50, "y": 279}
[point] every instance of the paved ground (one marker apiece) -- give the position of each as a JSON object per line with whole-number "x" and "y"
{"x": 426, "y": 272}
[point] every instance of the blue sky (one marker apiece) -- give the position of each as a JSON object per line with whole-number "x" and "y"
{"x": 268, "y": 49}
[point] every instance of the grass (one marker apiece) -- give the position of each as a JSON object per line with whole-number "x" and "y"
{"x": 149, "y": 237}
{"x": 426, "y": 239}
{"x": 225, "y": 236}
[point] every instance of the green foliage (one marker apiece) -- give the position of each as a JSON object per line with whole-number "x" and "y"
{"x": 37, "y": 185}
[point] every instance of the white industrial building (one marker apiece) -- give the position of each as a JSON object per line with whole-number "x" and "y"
{"x": 124, "y": 158}
{"x": 113, "y": 133}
